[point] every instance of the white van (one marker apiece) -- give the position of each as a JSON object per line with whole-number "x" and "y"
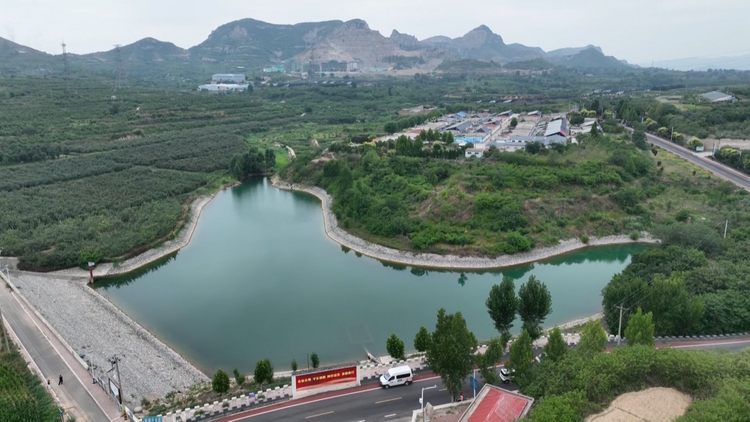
{"x": 400, "y": 375}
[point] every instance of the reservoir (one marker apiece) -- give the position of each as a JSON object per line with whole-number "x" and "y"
{"x": 260, "y": 279}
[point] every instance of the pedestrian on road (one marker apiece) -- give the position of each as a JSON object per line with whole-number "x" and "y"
{"x": 48, "y": 383}
{"x": 60, "y": 382}
{"x": 462, "y": 397}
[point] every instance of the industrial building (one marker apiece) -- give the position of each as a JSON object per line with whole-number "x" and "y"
{"x": 228, "y": 78}
{"x": 718, "y": 97}
{"x": 223, "y": 87}
{"x": 558, "y": 126}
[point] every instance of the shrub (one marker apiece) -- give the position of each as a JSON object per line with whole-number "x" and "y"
{"x": 516, "y": 242}
{"x": 315, "y": 360}
{"x": 635, "y": 235}
{"x": 240, "y": 378}
{"x": 682, "y": 216}
{"x": 585, "y": 238}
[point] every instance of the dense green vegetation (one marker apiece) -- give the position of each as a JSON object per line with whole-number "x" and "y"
{"x": 88, "y": 176}
{"x": 692, "y": 117}
{"x": 578, "y": 386}
{"x": 22, "y": 395}
{"x": 405, "y": 195}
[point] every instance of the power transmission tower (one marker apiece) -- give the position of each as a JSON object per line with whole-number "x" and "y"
{"x": 120, "y": 81}
{"x": 66, "y": 75}
{"x": 312, "y": 59}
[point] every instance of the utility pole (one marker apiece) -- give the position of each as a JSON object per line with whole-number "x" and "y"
{"x": 726, "y": 226}
{"x": 114, "y": 360}
{"x": 619, "y": 329}
{"x": 671, "y": 135}
{"x": 421, "y": 401}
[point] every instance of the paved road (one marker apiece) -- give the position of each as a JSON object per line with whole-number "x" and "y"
{"x": 371, "y": 403}
{"x": 72, "y": 393}
{"x": 740, "y": 179}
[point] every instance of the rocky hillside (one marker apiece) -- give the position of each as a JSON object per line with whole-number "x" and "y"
{"x": 354, "y": 41}
{"x": 250, "y": 44}
{"x": 590, "y": 58}
{"x": 16, "y": 58}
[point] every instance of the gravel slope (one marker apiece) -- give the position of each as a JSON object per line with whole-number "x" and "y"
{"x": 95, "y": 327}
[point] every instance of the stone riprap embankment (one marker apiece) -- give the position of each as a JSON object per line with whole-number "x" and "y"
{"x": 169, "y": 247}
{"x": 431, "y": 260}
{"x": 93, "y": 326}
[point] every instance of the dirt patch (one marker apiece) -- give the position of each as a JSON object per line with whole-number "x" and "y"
{"x": 650, "y": 405}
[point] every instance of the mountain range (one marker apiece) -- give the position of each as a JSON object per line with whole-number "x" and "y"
{"x": 252, "y": 44}
{"x": 741, "y": 62}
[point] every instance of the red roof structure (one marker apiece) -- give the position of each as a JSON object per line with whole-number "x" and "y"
{"x": 494, "y": 404}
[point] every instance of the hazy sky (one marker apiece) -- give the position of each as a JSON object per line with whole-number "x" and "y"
{"x": 636, "y": 30}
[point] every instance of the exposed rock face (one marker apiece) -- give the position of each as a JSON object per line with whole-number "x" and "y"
{"x": 354, "y": 41}
{"x": 406, "y": 41}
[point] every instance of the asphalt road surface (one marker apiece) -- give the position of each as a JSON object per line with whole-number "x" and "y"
{"x": 47, "y": 358}
{"x": 377, "y": 404}
{"x": 740, "y": 179}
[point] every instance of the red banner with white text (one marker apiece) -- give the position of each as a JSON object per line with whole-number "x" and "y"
{"x": 326, "y": 378}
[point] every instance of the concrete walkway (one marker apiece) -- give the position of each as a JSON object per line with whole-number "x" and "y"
{"x": 77, "y": 395}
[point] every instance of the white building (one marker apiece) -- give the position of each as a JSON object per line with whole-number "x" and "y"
{"x": 234, "y": 78}
{"x": 718, "y": 97}
{"x": 474, "y": 152}
{"x": 222, "y": 87}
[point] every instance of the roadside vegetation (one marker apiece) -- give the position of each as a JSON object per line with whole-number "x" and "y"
{"x": 23, "y": 397}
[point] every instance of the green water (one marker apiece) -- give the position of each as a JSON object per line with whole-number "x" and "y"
{"x": 261, "y": 279}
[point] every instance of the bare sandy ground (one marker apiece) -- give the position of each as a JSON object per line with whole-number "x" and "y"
{"x": 651, "y": 405}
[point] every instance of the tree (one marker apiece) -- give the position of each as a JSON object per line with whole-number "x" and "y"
{"x": 640, "y": 329}
{"x": 314, "y": 359}
{"x": 695, "y": 143}
{"x": 263, "y": 372}
{"x": 451, "y": 351}
{"x": 534, "y": 147}
{"x": 239, "y": 377}
{"x": 662, "y": 132}
{"x": 594, "y": 130}
{"x": 270, "y": 158}
{"x": 491, "y": 357}
{"x": 521, "y": 355}
{"x": 395, "y": 347}
{"x": 556, "y": 348}
{"x": 596, "y": 106}
{"x": 639, "y": 139}
{"x": 220, "y": 383}
{"x": 513, "y": 122}
{"x": 294, "y": 365}
{"x": 534, "y": 305}
{"x": 576, "y": 119}
{"x": 675, "y": 311}
{"x": 422, "y": 340}
{"x": 502, "y": 305}
{"x": 593, "y": 339}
